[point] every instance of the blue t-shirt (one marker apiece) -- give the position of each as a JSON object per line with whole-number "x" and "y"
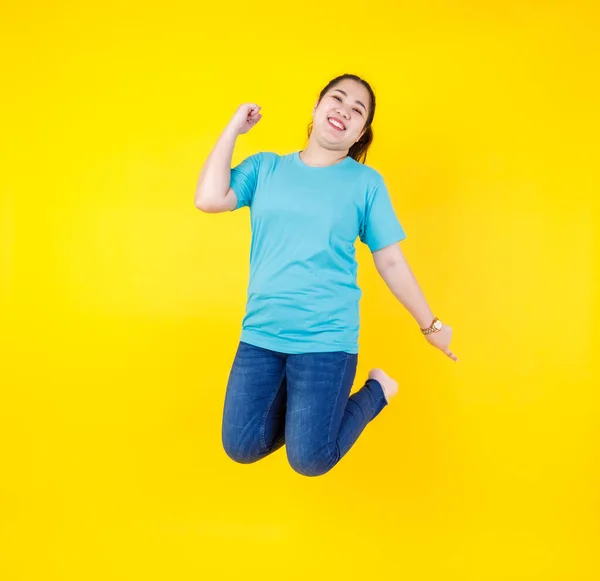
{"x": 302, "y": 293}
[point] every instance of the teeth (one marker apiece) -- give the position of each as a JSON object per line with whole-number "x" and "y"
{"x": 336, "y": 123}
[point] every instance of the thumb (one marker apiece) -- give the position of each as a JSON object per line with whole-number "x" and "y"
{"x": 452, "y": 356}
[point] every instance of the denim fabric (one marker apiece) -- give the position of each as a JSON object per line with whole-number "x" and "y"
{"x": 302, "y": 400}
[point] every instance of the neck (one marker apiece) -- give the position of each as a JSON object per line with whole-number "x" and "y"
{"x": 315, "y": 155}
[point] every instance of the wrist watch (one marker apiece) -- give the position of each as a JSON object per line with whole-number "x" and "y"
{"x": 435, "y": 327}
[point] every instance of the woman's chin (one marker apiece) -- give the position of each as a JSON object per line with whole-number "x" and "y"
{"x": 328, "y": 139}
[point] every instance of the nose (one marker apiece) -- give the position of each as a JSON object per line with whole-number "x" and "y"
{"x": 342, "y": 110}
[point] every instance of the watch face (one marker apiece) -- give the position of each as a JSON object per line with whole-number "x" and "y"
{"x": 438, "y": 325}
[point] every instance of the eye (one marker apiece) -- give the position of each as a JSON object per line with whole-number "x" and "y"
{"x": 336, "y": 97}
{"x": 358, "y": 111}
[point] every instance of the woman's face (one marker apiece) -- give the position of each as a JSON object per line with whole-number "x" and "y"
{"x": 339, "y": 119}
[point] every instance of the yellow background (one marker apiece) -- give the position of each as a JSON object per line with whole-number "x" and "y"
{"x": 122, "y": 303}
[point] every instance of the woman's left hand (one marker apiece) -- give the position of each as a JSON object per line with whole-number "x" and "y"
{"x": 441, "y": 340}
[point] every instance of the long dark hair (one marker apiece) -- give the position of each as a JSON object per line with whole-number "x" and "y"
{"x": 358, "y": 151}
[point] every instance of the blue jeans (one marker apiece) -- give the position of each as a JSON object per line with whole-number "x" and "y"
{"x": 301, "y": 400}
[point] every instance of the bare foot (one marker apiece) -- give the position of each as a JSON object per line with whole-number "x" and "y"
{"x": 390, "y": 387}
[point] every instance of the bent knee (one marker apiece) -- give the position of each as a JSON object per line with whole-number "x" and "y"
{"x": 315, "y": 464}
{"x": 239, "y": 452}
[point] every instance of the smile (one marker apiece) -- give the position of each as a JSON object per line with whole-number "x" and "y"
{"x": 336, "y": 123}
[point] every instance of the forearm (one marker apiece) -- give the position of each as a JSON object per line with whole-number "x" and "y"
{"x": 403, "y": 284}
{"x": 215, "y": 175}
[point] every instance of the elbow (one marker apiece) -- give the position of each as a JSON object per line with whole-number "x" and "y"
{"x": 204, "y": 203}
{"x": 202, "y": 198}
{"x": 204, "y": 206}
{"x": 212, "y": 204}
{"x": 200, "y": 204}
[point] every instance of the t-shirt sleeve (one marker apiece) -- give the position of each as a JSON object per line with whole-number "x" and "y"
{"x": 244, "y": 178}
{"x": 380, "y": 225}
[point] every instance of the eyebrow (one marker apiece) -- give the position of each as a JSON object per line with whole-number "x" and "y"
{"x": 346, "y": 94}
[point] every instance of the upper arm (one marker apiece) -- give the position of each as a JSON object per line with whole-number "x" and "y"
{"x": 244, "y": 180}
{"x": 380, "y": 226}
{"x": 387, "y": 256}
{"x": 230, "y": 201}
{"x": 226, "y": 204}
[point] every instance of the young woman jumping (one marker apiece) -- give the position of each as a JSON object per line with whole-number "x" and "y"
{"x": 296, "y": 361}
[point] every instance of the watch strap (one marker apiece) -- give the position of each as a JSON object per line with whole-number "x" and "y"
{"x": 433, "y": 328}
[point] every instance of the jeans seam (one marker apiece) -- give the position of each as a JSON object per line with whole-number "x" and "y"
{"x": 266, "y": 415}
{"x": 371, "y": 396}
{"x": 339, "y": 390}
